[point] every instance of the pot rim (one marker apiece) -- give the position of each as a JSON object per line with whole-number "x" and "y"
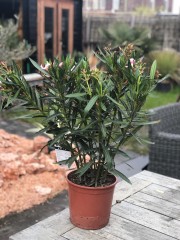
{"x": 86, "y": 187}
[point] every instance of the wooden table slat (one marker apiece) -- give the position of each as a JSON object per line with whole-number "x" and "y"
{"x": 165, "y": 193}
{"x": 159, "y": 179}
{"x": 148, "y": 218}
{"x": 37, "y": 233}
{"x": 50, "y": 228}
{"x": 59, "y": 223}
{"x": 80, "y": 234}
{"x": 124, "y": 189}
{"x": 128, "y": 230}
{"x": 155, "y": 204}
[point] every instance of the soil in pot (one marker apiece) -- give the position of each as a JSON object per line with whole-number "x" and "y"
{"x": 90, "y": 206}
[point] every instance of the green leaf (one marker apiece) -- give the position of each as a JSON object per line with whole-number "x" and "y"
{"x": 103, "y": 107}
{"x": 124, "y": 104}
{"x": 39, "y": 132}
{"x": 141, "y": 140}
{"x": 120, "y": 174}
{"x": 99, "y": 57}
{"x": 109, "y": 160}
{"x": 11, "y": 99}
{"x": 124, "y": 154}
{"x": 80, "y": 130}
{"x": 78, "y": 65}
{"x": 130, "y": 101}
{"x": 38, "y": 67}
{"x": 84, "y": 169}
{"x": 75, "y": 95}
{"x": 114, "y": 101}
{"x": 31, "y": 115}
{"x": 52, "y": 117}
{"x": 153, "y": 69}
{"x": 57, "y": 138}
{"x": 146, "y": 123}
{"x": 90, "y": 104}
{"x": 38, "y": 99}
{"x": 103, "y": 130}
{"x": 62, "y": 162}
{"x": 117, "y": 104}
{"x": 70, "y": 161}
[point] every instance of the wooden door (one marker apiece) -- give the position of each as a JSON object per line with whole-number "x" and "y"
{"x": 55, "y": 28}
{"x": 65, "y": 27}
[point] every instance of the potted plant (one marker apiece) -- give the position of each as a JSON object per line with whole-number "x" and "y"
{"x": 90, "y": 113}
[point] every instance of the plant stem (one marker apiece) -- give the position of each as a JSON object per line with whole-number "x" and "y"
{"x": 111, "y": 128}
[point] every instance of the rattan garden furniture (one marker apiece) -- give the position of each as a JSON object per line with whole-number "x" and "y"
{"x": 164, "y": 154}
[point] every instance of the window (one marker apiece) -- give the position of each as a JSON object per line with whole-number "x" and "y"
{"x": 102, "y": 4}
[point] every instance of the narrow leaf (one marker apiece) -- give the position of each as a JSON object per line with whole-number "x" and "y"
{"x": 141, "y": 140}
{"x": 103, "y": 130}
{"x": 114, "y": 101}
{"x": 90, "y": 104}
{"x": 62, "y": 162}
{"x": 38, "y": 67}
{"x": 153, "y": 69}
{"x": 108, "y": 158}
{"x": 146, "y": 123}
{"x": 124, "y": 154}
{"x": 75, "y": 95}
{"x": 78, "y": 65}
{"x": 37, "y": 131}
{"x": 103, "y": 107}
{"x": 57, "y": 138}
{"x": 38, "y": 100}
{"x": 84, "y": 169}
{"x": 120, "y": 174}
{"x": 70, "y": 161}
{"x": 11, "y": 99}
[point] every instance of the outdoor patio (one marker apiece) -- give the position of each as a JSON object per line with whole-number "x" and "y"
{"x": 100, "y": 81}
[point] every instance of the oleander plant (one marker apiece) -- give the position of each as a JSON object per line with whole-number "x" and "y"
{"x": 89, "y": 112}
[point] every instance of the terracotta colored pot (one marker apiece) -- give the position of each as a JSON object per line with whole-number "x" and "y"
{"x": 90, "y": 207}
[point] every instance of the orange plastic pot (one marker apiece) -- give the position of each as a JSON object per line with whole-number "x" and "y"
{"x": 90, "y": 207}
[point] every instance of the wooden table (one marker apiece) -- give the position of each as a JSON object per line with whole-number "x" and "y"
{"x": 149, "y": 209}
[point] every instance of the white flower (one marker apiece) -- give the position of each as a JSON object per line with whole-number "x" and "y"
{"x": 60, "y": 64}
{"x": 132, "y": 61}
{"x": 46, "y": 66}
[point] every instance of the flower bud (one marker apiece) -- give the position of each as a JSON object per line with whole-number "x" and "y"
{"x": 60, "y": 64}
{"x": 46, "y": 67}
{"x": 132, "y": 61}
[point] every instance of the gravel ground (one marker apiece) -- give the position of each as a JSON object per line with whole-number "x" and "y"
{"x": 16, "y": 222}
